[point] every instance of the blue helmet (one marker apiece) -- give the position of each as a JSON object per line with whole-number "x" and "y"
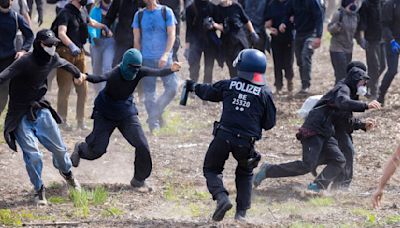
{"x": 251, "y": 65}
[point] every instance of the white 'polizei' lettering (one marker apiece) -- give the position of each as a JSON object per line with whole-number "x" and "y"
{"x": 244, "y": 87}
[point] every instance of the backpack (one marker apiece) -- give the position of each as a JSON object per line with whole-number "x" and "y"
{"x": 308, "y": 105}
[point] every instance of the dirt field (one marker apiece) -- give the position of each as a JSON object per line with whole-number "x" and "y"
{"x": 180, "y": 198}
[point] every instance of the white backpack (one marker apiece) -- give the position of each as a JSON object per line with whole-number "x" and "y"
{"x": 308, "y": 105}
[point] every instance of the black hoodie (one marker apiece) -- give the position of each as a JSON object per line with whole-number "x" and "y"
{"x": 342, "y": 100}
{"x": 370, "y": 20}
{"x": 28, "y": 85}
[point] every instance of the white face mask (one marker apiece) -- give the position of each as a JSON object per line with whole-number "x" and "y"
{"x": 50, "y": 50}
{"x": 362, "y": 91}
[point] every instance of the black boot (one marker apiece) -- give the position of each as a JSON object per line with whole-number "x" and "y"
{"x": 240, "y": 215}
{"x": 223, "y": 205}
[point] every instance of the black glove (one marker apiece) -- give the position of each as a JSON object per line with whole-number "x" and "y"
{"x": 254, "y": 38}
{"x": 190, "y": 85}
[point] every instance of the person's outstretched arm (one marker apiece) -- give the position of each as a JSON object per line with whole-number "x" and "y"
{"x": 388, "y": 171}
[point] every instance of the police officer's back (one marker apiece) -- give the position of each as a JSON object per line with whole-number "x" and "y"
{"x": 247, "y": 109}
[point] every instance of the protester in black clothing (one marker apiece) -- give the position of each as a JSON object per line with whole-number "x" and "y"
{"x": 308, "y": 23}
{"x": 123, "y": 11}
{"x": 248, "y": 108}
{"x": 201, "y": 38}
{"x": 391, "y": 34}
{"x": 114, "y": 108}
{"x": 281, "y": 44}
{"x": 176, "y": 6}
{"x": 30, "y": 118}
{"x": 256, "y": 11}
{"x": 317, "y": 131}
{"x": 39, "y": 8}
{"x": 10, "y": 23}
{"x": 232, "y": 21}
{"x": 370, "y": 28}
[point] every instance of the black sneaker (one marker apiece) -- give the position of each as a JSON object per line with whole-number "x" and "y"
{"x": 40, "y": 196}
{"x": 71, "y": 181}
{"x": 223, "y": 205}
{"x": 240, "y": 215}
{"x": 75, "y": 158}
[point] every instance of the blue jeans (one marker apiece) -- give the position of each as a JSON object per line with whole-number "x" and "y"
{"x": 155, "y": 106}
{"x": 43, "y": 130}
{"x": 102, "y": 57}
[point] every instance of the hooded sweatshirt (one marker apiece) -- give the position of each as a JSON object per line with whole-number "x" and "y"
{"x": 343, "y": 27}
{"x": 28, "y": 85}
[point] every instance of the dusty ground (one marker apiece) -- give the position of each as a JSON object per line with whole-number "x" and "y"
{"x": 180, "y": 198}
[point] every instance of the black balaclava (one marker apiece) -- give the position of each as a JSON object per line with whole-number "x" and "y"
{"x": 356, "y": 71}
{"x": 40, "y": 55}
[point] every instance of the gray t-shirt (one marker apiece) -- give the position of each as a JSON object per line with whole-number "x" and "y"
{"x": 20, "y": 6}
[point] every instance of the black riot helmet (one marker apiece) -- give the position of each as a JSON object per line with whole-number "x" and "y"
{"x": 251, "y": 65}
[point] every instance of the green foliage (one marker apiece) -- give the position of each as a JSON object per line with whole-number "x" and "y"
{"x": 112, "y": 212}
{"x": 100, "y": 195}
{"x": 80, "y": 199}
{"x": 195, "y": 210}
{"x": 170, "y": 192}
{"x": 9, "y": 218}
{"x": 392, "y": 219}
{"x": 370, "y": 218}
{"x": 321, "y": 201}
{"x": 57, "y": 200}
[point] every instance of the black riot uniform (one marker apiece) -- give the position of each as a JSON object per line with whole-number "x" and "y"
{"x": 201, "y": 39}
{"x": 316, "y": 135}
{"x": 247, "y": 109}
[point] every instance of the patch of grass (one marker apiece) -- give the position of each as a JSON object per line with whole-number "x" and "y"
{"x": 54, "y": 186}
{"x": 81, "y": 202}
{"x": 370, "y": 218}
{"x": 321, "y": 201}
{"x": 195, "y": 210}
{"x": 296, "y": 121}
{"x": 57, "y": 200}
{"x": 112, "y": 212}
{"x": 392, "y": 219}
{"x": 305, "y": 225}
{"x": 170, "y": 192}
{"x": 9, "y": 218}
{"x": 173, "y": 126}
{"x": 201, "y": 195}
{"x": 99, "y": 196}
{"x": 288, "y": 208}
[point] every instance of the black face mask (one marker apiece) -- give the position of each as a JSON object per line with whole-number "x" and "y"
{"x": 5, "y": 4}
{"x": 83, "y": 2}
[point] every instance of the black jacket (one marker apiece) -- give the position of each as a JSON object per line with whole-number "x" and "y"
{"x": 124, "y": 11}
{"x": 370, "y": 20}
{"x": 308, "y": 16}
{"x": 28, "y": 86}
{"x": 115, "y": 101}
{"x": 391, "y": 20}
{"x": 247, "y": 108}
{"x": 196, "y": 13}
{"x": 339, "y": 101}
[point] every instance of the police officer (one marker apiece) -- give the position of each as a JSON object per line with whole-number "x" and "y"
{"x": 231, "y": 20}
{"x": 391, "y": 34}
{"x": 316, "y": 134}
{"x": 247, "y": 109}
{"x": 201, "y": 38}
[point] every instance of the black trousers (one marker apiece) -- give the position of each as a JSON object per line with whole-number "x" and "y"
{"x": 304, "y": 58}
{"x": 340, "y": 60}
{"x": 345, "y": 142}
{"x": 316, "y": 150}
{"x": 392, "y": 63}
{"x": 283, "y": 56}
{"x": 120, "y": 49}
{"x": 373, "y": 55}
{"x": 218, "y": 152}
{"x": 195, "y": 51}
{"x": 97, "y": 142}
{"x": 4, "y": 63}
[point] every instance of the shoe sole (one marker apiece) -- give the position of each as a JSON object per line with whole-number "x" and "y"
{"x": 262, "y": 169}
{"x": 219, "y": 213}
{"x": 75, "y": 158}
